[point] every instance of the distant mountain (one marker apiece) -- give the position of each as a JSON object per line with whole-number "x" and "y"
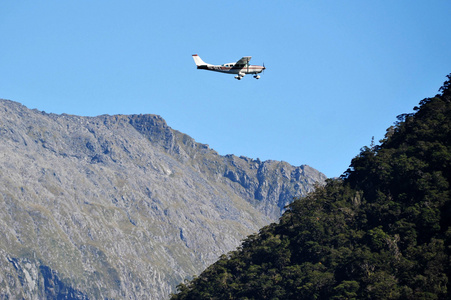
{"x": 123, "y": 207}
{"x": 381, "y": 231}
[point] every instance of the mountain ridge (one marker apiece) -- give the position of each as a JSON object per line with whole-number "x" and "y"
{"x": 123, "y": 206}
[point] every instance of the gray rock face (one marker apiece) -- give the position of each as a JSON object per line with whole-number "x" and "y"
{"x": 123, "y": 206}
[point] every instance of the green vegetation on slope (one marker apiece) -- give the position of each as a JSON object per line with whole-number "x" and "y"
{"x": 381, "y": 231}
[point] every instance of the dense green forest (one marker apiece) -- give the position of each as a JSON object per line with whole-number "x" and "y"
{"x": 381, "y": 231}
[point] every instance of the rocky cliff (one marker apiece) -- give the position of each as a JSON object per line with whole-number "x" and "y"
{"x": 123, "y": 206}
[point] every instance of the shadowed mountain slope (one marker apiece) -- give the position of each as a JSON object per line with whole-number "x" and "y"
{"x": 123, "y": 206}
{"x": 381, "y": 231}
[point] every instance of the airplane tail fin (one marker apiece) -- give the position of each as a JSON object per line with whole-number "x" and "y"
{"x": 199, "y": 62}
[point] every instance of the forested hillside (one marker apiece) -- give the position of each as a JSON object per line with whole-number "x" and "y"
{"x": 381, "y": 231}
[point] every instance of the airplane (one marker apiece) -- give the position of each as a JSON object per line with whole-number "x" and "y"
{"x": 241, "y": 67}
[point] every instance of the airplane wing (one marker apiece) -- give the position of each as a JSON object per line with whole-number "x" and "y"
{"x": 244, "y": 61}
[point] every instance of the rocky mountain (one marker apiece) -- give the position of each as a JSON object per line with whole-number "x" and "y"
{"x": 123, "y": 207}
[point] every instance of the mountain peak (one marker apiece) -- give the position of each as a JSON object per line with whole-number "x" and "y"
{"x": 124, "y": 206}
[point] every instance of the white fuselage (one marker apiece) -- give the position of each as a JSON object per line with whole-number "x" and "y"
{"x": 233, "y": 69}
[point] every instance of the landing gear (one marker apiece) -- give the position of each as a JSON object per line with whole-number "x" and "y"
{"x": 257, "y": 76}
{"x": 240, "y": 75}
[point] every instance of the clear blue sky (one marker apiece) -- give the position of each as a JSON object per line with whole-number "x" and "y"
{"x": 338, "y": 72}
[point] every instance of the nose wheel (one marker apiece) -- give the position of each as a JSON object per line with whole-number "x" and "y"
{"x": 257, "y": 76}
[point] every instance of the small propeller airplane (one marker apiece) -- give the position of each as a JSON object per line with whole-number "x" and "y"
{"x": 241, "y": 67}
